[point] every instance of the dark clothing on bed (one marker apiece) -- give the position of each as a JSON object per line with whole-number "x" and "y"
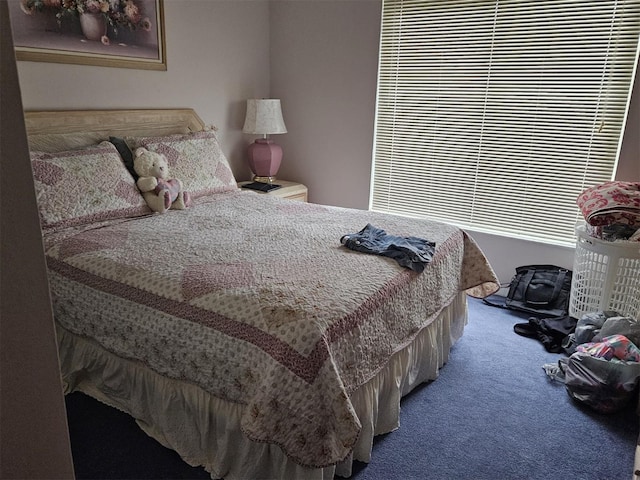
{"x": 410, "y": 252}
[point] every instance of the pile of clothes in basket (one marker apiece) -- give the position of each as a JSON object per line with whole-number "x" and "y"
{"x": 603, "y": 366}
{"x": 612, "y": 210}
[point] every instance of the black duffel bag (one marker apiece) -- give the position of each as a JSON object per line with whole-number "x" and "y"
{"x": 540, "y": 289}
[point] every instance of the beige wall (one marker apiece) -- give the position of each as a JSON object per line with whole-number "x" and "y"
{"x": 629, "y": 164}
{"x": 323, "y": 64}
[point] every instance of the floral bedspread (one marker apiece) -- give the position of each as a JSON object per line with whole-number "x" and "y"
{"x": 254, "y": 299}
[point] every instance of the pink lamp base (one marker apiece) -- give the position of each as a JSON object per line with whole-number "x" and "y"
{"x": 265, "y": 158}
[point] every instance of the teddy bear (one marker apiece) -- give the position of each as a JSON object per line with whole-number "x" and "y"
{"x": 160, "y": 192}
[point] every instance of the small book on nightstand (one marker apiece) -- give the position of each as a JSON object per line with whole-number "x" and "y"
{"x": 263, "y": 187}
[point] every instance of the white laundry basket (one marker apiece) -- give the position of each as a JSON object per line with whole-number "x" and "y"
{"x": 606, "y": 276}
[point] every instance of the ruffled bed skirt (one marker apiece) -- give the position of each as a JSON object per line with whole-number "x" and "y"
{"x": 205, "y": 430}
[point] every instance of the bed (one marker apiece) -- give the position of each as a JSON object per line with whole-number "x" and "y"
{"x": 238, "y": 332}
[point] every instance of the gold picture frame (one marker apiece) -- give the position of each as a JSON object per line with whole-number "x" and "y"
{"x": 117, "y": 33}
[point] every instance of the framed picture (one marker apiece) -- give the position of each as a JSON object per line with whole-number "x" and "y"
{"x": 110, "y": 33}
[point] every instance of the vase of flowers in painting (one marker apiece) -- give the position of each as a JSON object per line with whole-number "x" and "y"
{"x": 95, "y": 16}
{"x": 93, "y": 25}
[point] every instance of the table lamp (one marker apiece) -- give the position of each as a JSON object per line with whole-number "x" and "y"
{"x": 264, "y": 117}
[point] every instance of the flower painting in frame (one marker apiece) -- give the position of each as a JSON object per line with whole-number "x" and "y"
{"x": 111, "y": 33}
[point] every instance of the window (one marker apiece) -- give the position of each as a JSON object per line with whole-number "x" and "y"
{"x": 496, "y": 114}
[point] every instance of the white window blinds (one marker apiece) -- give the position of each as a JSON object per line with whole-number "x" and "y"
{"x": 495, "y": 115}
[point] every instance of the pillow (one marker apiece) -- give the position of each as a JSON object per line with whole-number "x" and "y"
{"x": 78, "y": 187}
{"x": 196, "y": 159}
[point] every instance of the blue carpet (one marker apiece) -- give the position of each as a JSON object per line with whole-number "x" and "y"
{"x": 492, "y": 414}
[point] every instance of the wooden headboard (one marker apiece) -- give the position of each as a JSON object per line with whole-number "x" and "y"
{"x": 59, "y": 129}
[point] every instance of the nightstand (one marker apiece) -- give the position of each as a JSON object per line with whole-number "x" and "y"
{"x": 288, "y": 190}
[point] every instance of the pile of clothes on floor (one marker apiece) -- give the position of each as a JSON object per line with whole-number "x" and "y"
{"x": 612, "y": 210}
{"x": 602, "y": 364}
{"x": 602, "y": 369}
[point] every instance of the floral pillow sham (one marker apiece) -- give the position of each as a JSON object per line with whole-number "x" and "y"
{"x": 78, "y": 187}
{"x": 196, "y": 159}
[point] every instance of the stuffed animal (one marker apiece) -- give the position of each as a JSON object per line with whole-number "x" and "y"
{"x": 160, "y": 192}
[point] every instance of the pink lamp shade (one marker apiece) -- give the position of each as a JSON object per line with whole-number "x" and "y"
{"x": 264, "y": 117}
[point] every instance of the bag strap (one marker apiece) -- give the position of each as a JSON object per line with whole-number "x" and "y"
{"x": 562, "y": 274}
{"x": 525, "y": 282}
